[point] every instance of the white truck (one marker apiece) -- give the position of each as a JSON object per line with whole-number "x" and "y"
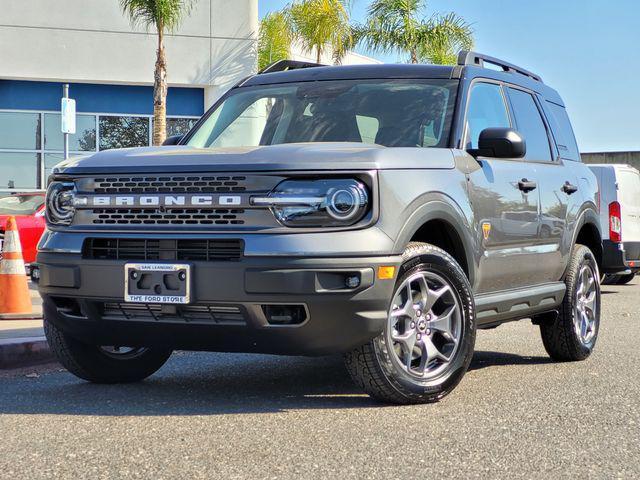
{"x": 619, "y": 187}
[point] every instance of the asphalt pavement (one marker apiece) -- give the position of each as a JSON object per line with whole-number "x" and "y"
{"x": 516, "y": 414}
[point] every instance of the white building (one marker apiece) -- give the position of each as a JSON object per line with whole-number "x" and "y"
{"x": 109, "y": 65}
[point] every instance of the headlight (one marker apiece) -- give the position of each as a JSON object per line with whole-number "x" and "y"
{"x": 317, "y": 203}
{"x": 60, "y": 203}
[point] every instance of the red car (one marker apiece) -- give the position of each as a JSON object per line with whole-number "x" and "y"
{"x": 28, "y": 209}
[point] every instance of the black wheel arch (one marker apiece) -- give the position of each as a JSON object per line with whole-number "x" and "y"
{"x": 588, "y": 232}
{"x": 441, "y": 222}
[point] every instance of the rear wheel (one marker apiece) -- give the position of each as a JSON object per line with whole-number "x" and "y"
{"x": 573, "y": 333}
{"x": 429, "y": 336}
{"x": 104, "y": 364}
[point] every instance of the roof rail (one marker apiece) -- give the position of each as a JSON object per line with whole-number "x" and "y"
{"x": 478, "y": 59}
{"x": 283, "y": 65}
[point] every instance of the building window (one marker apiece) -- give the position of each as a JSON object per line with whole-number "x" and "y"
{"x": 20, "y": 130}
{"x": 84, "y": 140}
{"x": 123, "y": 132}
{"x": 19, "y": 170}
{"x": 31, "y": 143}
{"x": 179, "y": 126}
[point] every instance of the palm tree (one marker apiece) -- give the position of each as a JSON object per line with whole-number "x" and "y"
{"x": 274, "y": 41}
{"x": 322, "y": 24}
{"x": 398, "y": 25}
{"x": 165, "y": 16}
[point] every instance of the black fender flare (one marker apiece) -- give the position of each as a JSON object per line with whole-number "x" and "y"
{"x": 587, "y": 216}
{"x": 443, "y": 208}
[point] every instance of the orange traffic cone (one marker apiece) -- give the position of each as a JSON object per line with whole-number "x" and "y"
{"x": 14, "y": 289}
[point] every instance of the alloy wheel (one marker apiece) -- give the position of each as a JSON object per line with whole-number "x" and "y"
{"x": 424, "y": 325}
{"x": 586, "y": 305}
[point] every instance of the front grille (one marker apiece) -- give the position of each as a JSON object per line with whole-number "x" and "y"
{"x": 138, "y": 216}
{"x": 170, "y": 184}
{"x": 197, "y": 313}
{"x": 155, "y": 249}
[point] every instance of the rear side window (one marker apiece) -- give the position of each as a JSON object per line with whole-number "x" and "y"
{"x": 486, "y": 109}
{"x": 563, "y": 133}
{"x": 530, "y": 125}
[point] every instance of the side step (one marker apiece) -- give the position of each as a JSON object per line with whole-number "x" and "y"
{"x": 495, "y": 308}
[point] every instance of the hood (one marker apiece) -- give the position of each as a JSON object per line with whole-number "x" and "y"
{"x": 294, "y": 156}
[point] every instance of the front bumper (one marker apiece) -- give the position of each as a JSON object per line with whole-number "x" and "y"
{"x": 620, "y": 258}
{"x": 85, "y": 299}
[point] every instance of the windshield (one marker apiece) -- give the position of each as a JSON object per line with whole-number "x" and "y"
{"x": 20, "y": 204}
{"x": 394, "y": 113}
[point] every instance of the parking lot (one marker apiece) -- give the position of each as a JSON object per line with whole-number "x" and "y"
{"x": 516, "y": 415}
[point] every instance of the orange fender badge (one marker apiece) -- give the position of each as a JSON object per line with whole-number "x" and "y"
{"x": 486, "y": 230}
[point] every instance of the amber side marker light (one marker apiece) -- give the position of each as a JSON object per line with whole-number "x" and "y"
{"x": 386, "y": 273}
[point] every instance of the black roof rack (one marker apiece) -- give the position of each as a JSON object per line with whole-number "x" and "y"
{"x": 479, "y": 59}
{"x": 283, "y": 65}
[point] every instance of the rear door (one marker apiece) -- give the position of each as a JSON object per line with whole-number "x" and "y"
{"x": 553, "y": 176}
{"x": 628, "y": 180}
{"x": 506, "y": 215}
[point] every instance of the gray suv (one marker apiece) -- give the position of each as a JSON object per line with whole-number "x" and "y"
{"x": 384, "y": 212}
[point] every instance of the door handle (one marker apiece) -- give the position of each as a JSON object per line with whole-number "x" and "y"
{"x": 526, "y": 185}
{"x": 568, "y": 188}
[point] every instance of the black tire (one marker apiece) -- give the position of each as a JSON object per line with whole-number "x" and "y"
{"x": 559, "y": 335}
{"x": 371, "y": 366}
{"x": 624, "y": 279}
{"x": 94, "y": 364}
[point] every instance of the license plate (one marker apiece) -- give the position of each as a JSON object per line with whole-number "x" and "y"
{"x": 157, "y": 283}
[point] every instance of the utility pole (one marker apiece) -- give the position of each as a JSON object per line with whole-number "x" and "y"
{"x": 65, "y": 94}
{"x": 67, "y": 118}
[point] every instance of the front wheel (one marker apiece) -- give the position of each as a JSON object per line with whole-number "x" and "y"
{"x": 573, "y": 333}
{"x": 104, "y": 364}
{"x": 428, "y": 341}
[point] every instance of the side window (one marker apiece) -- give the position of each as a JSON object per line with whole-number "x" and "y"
{"x": 530, "y": 125}
{"x": 486, "y": 109}
{"x": 562, "y": 132}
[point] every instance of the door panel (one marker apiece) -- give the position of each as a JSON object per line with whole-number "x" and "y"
{"x": 555, "y": 202}
{"x": 506, "y": 215}
{"x": 507, "y": 225}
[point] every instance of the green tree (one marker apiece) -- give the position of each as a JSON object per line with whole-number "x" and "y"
{"x": 400, "y": 25}
{"x": 276, "y": 35}
{"x": 165, "y": 16}
{"x": 322, "y": 24}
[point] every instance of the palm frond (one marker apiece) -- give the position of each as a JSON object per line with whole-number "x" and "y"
{"x": 443, "y": 37}
{"x": 319, "y": 24}
{"x": 399, "y": 26}
{"x": 275, "y": 38}
{"x": 165, "y": 15}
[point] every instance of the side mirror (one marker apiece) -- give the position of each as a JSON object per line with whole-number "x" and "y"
{"x": 173, "y": 140}
{"x": 500, "y": 143}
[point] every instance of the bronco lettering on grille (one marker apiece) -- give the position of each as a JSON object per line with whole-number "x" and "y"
{"x": 163, "y": 200}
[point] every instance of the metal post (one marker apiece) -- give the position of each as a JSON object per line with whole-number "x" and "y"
{"x": 65, "y": 94}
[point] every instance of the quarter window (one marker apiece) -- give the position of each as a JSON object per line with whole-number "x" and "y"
{"x": 563, "y": 133}
{"x": 486, "y": 109}
{"x": 530, "y": 125}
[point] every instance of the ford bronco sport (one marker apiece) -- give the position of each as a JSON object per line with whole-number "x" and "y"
{"x": 384, "y": 212}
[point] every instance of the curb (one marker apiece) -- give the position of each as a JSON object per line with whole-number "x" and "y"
{"x": 20, "y": 316}
{"x": 24, "y": 352}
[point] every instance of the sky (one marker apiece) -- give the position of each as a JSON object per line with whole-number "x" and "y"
{"x": 588, "y": 50}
